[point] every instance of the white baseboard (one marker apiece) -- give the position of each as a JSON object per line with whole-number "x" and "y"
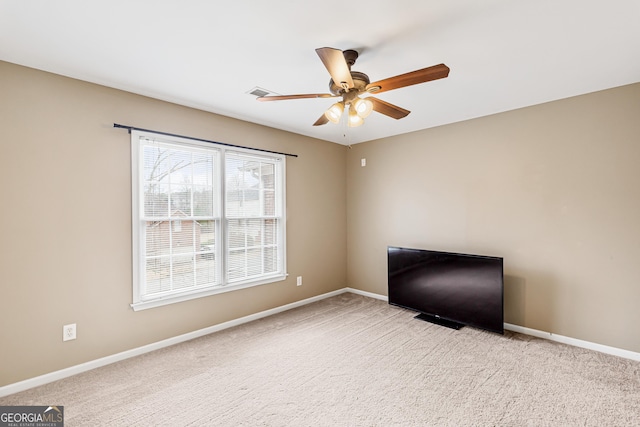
{"x": 540, "y": 334}
{"x": 574, "y": 342}
{"x": 367, "y": 294}
{"x": 93, "y": 364}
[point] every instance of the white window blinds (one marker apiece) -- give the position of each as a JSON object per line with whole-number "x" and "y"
{"x": 206, "y": 219}
{"x": 254, "y": 217}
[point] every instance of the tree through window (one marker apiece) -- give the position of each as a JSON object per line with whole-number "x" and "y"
{"x": 207, "y": 219}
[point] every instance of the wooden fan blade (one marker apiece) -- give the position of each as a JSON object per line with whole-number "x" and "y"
{"x": 322, "y": 120}
{"x": 334, "y": 62}
{"x": 285, "y": 97}
{"x": 388, "y": 109}
{"x": 414, "y": 77}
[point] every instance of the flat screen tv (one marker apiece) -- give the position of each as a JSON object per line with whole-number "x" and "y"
{"x": 449, "y": 289}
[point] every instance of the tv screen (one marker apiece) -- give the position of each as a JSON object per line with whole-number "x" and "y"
{"x": 448, "y": 288}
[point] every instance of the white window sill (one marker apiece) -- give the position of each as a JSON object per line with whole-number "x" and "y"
{"x": 172, "y": 299}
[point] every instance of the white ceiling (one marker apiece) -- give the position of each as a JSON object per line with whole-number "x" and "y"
{"x": 208, "y": 54}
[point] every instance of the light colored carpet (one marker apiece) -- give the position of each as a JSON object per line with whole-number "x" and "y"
{"x": 352, "y": 361}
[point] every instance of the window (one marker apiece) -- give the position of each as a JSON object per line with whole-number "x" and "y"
{"x": 206, "y": 219}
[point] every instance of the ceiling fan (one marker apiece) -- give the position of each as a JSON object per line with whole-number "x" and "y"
{"x": 349, "y": 85}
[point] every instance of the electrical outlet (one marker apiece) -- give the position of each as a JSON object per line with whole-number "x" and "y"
{"x": 69, "y": 332}
{"x": 363, "y": 162}
{"x": 299, "y": 281}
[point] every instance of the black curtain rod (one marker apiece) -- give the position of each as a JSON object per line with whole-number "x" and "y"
{"x": 129, "y": 128}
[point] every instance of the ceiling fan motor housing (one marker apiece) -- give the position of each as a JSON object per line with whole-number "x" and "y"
{"x": 360, "y": 82}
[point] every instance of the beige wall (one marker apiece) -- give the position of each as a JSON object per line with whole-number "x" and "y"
{"x": 554, "y": 189}
{"x": 65, "y": 221}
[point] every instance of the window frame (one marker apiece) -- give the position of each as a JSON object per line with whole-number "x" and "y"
{"x": 143, "y": 301}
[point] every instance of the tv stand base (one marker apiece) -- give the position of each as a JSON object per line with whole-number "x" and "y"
{"x": 439, "y": 321}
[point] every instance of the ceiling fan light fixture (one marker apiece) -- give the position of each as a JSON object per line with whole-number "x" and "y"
{"x": 354, "y": 119}
{"x": 335, "y": 112}
{"x": 350, "y": 85}
{"x": 363, "y": 107}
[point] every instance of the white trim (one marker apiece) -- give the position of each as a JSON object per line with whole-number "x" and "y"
{"x": 208, "y": 291}
{"x": 107, "y": 360}
{"x": 540, "y": 334}
{"x": 367, "y": 294}
{"x": 93, "y": 364}
{"x": 574, "y": 342}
